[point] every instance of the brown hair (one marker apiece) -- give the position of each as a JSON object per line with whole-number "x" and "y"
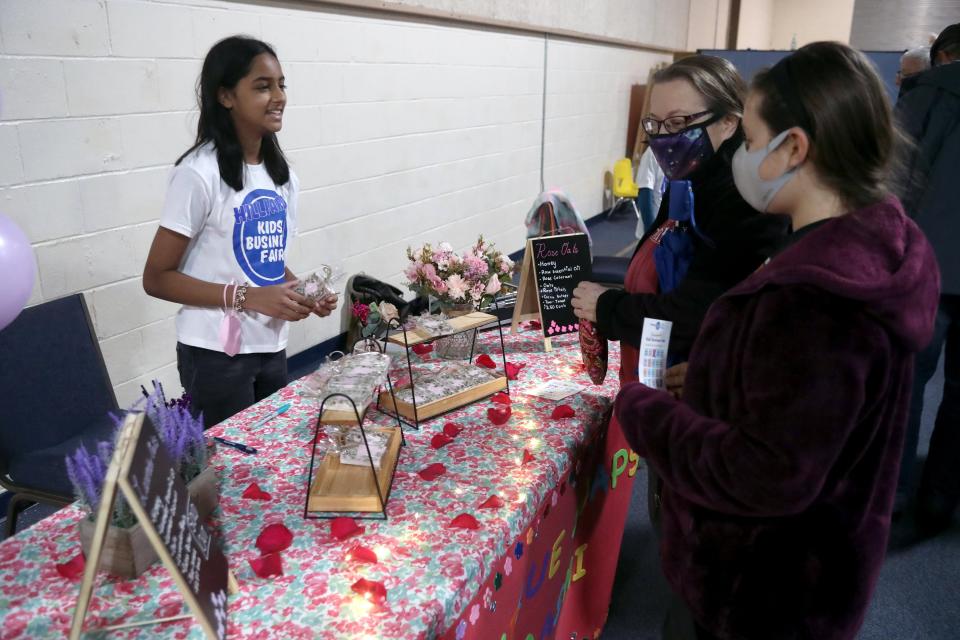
{"x": 834, "y": 94}
{"x": 716, "y": 79}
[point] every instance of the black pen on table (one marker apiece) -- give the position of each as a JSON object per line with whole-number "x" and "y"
{"x": 239, "y": 446}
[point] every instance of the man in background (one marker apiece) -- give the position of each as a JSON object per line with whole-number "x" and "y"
{"x": 912, "y": 64}
{"x": 930, "y": 113}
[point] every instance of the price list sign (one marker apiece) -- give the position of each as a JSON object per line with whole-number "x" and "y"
{"x": 560, "y": 264}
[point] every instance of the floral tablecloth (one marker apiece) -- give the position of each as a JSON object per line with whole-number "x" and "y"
{"x": 431, "y": 571}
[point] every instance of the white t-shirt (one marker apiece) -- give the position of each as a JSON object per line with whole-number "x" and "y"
{"x": 649, "y": 176}
{"x": 234, "y": 236}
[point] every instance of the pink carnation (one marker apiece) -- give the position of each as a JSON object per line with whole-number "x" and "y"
{"x": 476, "y": 266}
{"x": 456, "y": 287}
{"x": 413, "y": 271}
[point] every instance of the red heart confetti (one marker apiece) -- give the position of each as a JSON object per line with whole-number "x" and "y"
{"x": 501, "y": 398}
{"x": 493, "y": 502}
{"x": 254, "y": 492}
{"x": 464, "y": 521}
{"x": 363, "y": 554}
{"x": 267, "y": 565}
{"x": 422, "y": 349}
{"x": 440, "y": 440}
{"x": 563, "y": 411}
{"x": 513, "y": 370}
{"x": 499, "y": 415}
{"x": 274, "y": 537}
{"x": 433, "y": 471}
{"x": 371, "y": 590}
{"x": 72, "y": 568}
{"x": 343, "y": 528}
{"x": 486, "y": 361}
{"x": 452, "y": 429}
{"x": 527, "y": 457}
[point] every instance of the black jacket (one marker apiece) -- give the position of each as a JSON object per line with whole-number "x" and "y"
{"x": 930, "y": 114}
{"x": 742, "y": 237}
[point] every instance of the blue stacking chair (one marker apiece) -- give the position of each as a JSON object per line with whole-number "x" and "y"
{"x": 56, "y": 395}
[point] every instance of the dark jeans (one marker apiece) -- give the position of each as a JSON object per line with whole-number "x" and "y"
{"x": 221, "y": 386}
{"x": 940, "y": 484}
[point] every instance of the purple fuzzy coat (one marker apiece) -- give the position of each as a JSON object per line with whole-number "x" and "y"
{"x": 780, "y": 464}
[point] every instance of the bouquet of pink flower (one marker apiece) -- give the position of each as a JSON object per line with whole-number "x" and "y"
{"x": 475, "y": 277}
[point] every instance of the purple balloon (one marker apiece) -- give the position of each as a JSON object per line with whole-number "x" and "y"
{"x": 19, "y": 268}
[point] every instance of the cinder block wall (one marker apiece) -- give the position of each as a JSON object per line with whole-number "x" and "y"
{"x": 401, "y": 130}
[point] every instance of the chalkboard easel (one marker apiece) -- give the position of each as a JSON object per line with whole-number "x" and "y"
{"x": 552, "y": 268}
{"x": 143, "y": 472}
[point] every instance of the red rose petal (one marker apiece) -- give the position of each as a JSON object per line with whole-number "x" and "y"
{"x": 563, "y": 411}
{"x": 343, "y": 528}
{"x": 513, "y": 370}
{"x": 433, "y": 471}
{"x": 440, "y": 440}
{"x": 464, "y": 521}
{"x": 72, "y": 568}
{"x": 527, "y": 457}
{"x": 493, "y": 502}
{"x": 486, "y": 361}
{"x": 501, "y": 398}
{"x": 254, "y": 492}
{"x": 422, "y": 349}
{"x": 267, "y": 565}
{"x": 452, "y": 429}
{"x": 371, "y": 590}
{"x": 274, "y": 537}
{"x": 363, "y": 554}
{"x": 499, "y": 415}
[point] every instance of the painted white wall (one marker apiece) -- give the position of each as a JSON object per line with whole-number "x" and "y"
{"x": 810, "y": 21}
{"x": 755, "y": 29}
{"x": 588, "y": 87}
{"x": 659, "y": 23}
{"x": 402, "y": 131}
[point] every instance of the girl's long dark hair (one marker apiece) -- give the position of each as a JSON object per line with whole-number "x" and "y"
{"x": 226, "y": 63}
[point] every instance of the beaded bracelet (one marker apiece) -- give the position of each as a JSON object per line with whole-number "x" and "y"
{"x": 239, "y": 297}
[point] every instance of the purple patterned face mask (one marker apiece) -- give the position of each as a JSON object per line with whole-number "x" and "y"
{"x": 679, "y": 154}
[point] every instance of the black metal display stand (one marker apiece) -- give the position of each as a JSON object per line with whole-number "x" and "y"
{"x": 382, "y": 485}
{"x": 396, "y": 326}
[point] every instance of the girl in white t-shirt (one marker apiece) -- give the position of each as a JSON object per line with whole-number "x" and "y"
{"x": 227, "y": 221}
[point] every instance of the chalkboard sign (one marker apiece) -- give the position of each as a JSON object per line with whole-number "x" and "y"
{"x": 552, "y": 268}
{"x": 146, "y": 476}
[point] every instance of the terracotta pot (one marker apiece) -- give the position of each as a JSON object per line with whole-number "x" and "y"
{"x": 126, "y": 551}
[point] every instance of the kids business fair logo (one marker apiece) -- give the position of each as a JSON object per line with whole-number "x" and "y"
{"x": 260, "y": 236}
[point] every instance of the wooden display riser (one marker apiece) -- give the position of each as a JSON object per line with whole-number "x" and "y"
{"x": 344, "y": 487}
{"x": 346, "y": 418}
{"x": 460, "y": 324}
{"x": 443, "y": 405}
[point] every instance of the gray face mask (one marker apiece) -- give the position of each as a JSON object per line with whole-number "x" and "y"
{"x": 746, "y": 174}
